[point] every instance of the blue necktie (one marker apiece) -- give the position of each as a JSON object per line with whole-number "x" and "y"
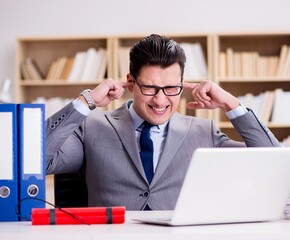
{"x": 146, "y": 152}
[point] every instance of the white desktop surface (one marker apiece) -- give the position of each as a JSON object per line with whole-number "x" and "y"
{"x": 132, "y": 230}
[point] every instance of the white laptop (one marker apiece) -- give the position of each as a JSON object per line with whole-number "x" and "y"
{"x": 231, "y": 185}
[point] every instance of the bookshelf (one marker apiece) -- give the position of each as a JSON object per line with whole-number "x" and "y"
{"x": 46, "y": 50}
{"x": 261, "y": 50}
{"x": 249, "y": 63}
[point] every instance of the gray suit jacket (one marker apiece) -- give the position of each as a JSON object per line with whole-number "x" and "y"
{"x": 105, "y": 144}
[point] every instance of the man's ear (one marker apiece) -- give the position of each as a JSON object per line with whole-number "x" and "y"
{"x": 130, "y": 80}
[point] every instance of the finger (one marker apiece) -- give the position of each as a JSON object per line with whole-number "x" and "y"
{"x": 194, "y": 105}
{"x": 120, "y": 94}
{"x": 201, "y": 92}
{"x": 126, "y": 84}
{"x": 116, "y": 93}
{"x": 202, "y": 97}
{"x": 188, "y": 85}
{"x": 202, "y": 101}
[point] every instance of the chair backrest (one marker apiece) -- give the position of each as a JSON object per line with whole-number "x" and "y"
{"x": 70, "y": 190}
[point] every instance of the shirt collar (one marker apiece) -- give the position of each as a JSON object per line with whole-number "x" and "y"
{"x": 137, "y": 120}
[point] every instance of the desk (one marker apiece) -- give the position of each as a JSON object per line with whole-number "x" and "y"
{"x": 135, "y": 231}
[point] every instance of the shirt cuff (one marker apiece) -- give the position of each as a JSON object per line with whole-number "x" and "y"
{"x": 81, "y": 107}
{"x": 237, "y": 112}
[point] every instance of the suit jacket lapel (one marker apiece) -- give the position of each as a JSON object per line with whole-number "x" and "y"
{"x": 177, "y": 131}
{"x": 122, "y": 123}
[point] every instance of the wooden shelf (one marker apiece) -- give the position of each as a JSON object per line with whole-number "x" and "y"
{"x": 47, "y": 49}
{"x": 43, "y": 83}
{"x": 254, "y": 79}
{"x": 227, "y": 124}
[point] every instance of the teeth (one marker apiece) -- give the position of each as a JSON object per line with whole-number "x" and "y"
{"x": 159, "y": 109}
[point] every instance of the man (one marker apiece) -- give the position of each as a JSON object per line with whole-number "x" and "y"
{"x": 106, "y": 144}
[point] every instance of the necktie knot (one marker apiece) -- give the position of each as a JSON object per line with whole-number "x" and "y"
{"x": 147, "y": 125}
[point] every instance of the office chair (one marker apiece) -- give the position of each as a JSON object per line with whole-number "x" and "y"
{"x": 70, "y": 190}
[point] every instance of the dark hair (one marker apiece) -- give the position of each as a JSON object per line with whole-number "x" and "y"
{"x": 156, "y": 50}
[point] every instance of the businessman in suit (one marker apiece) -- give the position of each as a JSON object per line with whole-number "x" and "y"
{"x": 106, "y": 144}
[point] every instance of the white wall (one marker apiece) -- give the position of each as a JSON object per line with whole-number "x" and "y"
{"x": 109, "y": 17}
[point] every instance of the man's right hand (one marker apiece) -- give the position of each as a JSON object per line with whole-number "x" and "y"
{"x": 107, "y": 91}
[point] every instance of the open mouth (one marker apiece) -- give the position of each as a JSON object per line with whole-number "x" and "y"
{"x": 159, "y": 109}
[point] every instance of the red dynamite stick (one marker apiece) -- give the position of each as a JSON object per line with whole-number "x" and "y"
{"x": 90, "y": 215}
{"x": 88, "y": 211}
{"x": 82, "y": 220}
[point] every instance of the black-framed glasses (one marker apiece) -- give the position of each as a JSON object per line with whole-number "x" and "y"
{"x": 152, "y": 90}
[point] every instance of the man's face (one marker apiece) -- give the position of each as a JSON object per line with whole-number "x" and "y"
{"x": 159, "y": 108}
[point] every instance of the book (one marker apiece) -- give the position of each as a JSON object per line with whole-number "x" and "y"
{"x": 195, "y": 66}
{"x": 51, "y": 71}
{"x": 273, "y": 62}
{"x": 267, "y": 106}
{"x": 254, "y": 59}
{"x": 199, "y": 57}
{"x": 248, "y": 100}
{"x": 67, "y": 68}
{"x": 101, "y": 73}
{"x": 262, "y": 66}
{"x": 236, "y": 66}
{"x": 24, "y": 72}
{"x": 282, "y": 60}
{"x": 77, "y": 67}
{"x": 245, "y": 64}
{"x": 33, "y": 69}
{"x": 90, "y": 66}
{"x": 286, "y": 65}
{"x": 60, "y": 63}
{"x": 230, "y": 62}
{"x": 222, "y": 64}
{"x": 280, "y": 114}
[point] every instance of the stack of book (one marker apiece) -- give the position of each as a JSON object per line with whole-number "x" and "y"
{"x": 195, "y": 66}
{"x": 89, "y": 66}
{"x": 60, "y": 68}
{"x": 30, "y": 70}
{"x": 251, "y": 64}
{"x": 269, "y": 106}
{"x": 85, "y": 66}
